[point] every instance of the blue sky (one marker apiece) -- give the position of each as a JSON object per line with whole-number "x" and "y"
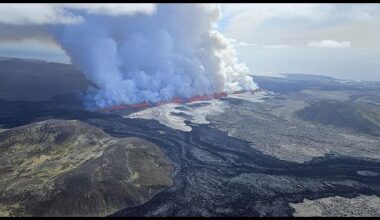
{"x": 339, "y": 40}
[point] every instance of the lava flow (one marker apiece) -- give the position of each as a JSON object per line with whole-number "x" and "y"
{"x": 177, "y": 100}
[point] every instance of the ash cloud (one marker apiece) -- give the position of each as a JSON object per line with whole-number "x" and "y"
{"x": 174, "y": 50}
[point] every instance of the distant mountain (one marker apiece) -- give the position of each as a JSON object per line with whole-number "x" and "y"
{"x": 22, "y": 59}
{"x": 298, "y": 82}
{"x": 34, "y": 80}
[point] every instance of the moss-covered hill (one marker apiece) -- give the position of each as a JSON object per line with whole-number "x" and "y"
{"x": 69, "y": 168}
{"x": 356, "y": 116}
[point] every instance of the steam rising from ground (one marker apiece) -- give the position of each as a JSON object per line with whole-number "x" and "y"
{"x": 173, "y": 51}
{"x": 174, "y": 115}
{"x": 171, "y": 116}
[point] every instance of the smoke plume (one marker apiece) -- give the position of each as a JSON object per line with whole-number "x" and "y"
{"x": 173, "y": 51}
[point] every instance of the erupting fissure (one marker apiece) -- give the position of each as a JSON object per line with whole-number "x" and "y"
{"x": 177, "y": 100}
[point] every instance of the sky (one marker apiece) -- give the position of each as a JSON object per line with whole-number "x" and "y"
{"x": 338, "y": 40}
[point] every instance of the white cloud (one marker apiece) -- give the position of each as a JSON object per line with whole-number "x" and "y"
{"x": 330, "y": 44}
{"x": 295, "y": 23}
{"x": 113, "y": 8}
{"x": 245, "y": 44}
{"x": 42, "y": 14}
{"x": 260, "y": 13}
{"x": 236, "y": 43}
{"x": 38, "y": 14}
{"x": 278, "y": 46}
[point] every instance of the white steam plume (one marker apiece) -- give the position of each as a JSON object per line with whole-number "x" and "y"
{"x": 173, "y": 51}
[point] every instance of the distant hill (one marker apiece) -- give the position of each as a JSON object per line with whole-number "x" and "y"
{"x": 298, "y": 82}
{"x": 344, "y": 114}
{"x": 35, "y": 80}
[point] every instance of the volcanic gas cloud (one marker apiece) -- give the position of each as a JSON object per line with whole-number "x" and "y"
{"x": 175, "y": 50}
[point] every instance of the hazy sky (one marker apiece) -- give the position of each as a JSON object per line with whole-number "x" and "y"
{"x": 340, "y": 40}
